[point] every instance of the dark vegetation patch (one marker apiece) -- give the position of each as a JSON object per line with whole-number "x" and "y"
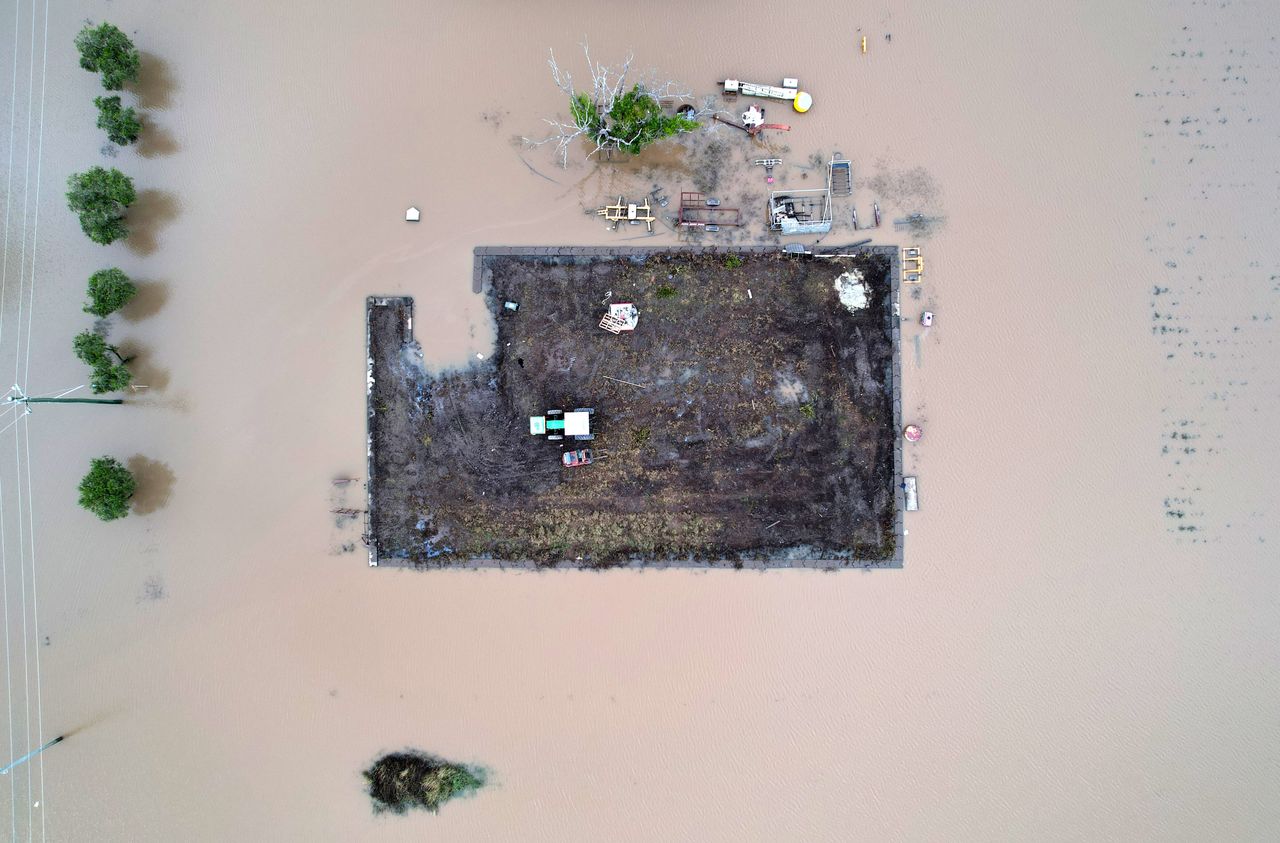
{"x": 730, "y": 426}
{"x": 411, "y": 779}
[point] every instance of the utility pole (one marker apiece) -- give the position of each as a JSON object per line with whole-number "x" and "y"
{"x": 32, "y": 754}
{"x": 17, "y": 396}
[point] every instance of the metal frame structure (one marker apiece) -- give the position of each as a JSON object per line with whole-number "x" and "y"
{"x": 695, "y": 213}
{"x": 800, "y": 211}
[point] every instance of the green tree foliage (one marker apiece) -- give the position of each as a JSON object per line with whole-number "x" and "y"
{"x": 100, "y": 197}
{"x": 110, "y": 378}
{"x": 411, "y": 779}
{"x": 108, "y": 375}
{"x": 636, "y": 120}
{"x": 121, "y": 124}
{"x": 93, "y": 349}
{"x": 106, "y": 489}
{"x": 105, "y": 49}
{"x": 586, "y": 116}
{"x": 109, "y": 290}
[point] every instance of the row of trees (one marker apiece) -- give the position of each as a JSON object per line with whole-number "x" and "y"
{"x": 101, "y": 197}
{"x": 106, "y": 50}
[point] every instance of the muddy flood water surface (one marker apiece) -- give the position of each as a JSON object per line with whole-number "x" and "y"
{"x": 1083, "y": 638}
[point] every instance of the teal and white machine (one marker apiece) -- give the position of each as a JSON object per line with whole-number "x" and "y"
{"x": 557, "y": 424}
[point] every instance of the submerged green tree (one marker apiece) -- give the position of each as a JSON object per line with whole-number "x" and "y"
{"x": 93, "y": 349}
{"x": 108, "y": 375}
{"x": 106, "y": 489}
{"x": 613, "y": 115}
{"x": 100, "y": 197}
{"x": 105, "y": 49}
{"x": 121, "y": 124}
{"x": 411, "y": 779}
{"x": 109, "y": 290}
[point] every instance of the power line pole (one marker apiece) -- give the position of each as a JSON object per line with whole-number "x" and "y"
{"x": 32, "y": 754}
{"x": 17, "y": 396}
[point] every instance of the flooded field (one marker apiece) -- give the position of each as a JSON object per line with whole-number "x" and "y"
{"x": 1080, "y": 645}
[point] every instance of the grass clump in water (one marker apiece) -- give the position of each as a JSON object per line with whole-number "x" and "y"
{"x": 732, "y": 262}
{"x": 665, "y": 291}
{"x": 403, "y": 780}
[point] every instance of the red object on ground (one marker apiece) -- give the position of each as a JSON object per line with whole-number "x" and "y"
{"x": 572, "y": 459}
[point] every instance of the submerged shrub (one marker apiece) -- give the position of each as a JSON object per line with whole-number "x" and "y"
{"x": 105, "y": 49}
{"x": 106, "y": 489}
{"x": 120, "y": 123}
{"x": 109, "y": 290}
{"x": 411, "y": 779}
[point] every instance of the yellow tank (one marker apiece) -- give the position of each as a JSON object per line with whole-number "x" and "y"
{"x": 802, "y": 102}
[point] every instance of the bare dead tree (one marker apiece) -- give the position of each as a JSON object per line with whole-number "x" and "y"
{"x": 590, "y": 108}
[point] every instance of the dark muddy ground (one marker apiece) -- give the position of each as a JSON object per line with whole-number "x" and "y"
{"x": 760, "y": 427}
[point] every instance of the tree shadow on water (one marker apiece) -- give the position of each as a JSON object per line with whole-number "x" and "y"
{"x": 155, "y": 484}
{"x": 145, "y": 373}
{"x": 156, "y": 141}
{"x": 150, "y": 298}
{"x": 155, "y": 85}
{"x": 152, "y": 210}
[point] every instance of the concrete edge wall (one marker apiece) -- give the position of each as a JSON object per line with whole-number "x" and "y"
{"x": 369, "y": 304}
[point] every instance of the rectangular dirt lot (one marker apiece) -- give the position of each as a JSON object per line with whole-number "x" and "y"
{"x": 748, "y": 421}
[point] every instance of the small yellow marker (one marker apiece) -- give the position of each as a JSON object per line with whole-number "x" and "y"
{"x": 864, "y": 45}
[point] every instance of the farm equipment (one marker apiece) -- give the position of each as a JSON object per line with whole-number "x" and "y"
{"x": 753, "y": 122}
{"x": 696, "y": 212}
{"x": 557, "y": 424}
{"x": 573, "y": 459}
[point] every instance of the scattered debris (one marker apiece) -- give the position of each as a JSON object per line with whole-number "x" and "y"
{"x": 840, "y": 177}
{"x": 800, "y": 211}
{"x": 752, "y": 122}
{"x": 852, "y": 290}
{"x": 768, "y": 164}
{"x": 790, "y": 91}
{"x": 628, "y": 212}
{"x": 620, "y": 380}
{"x": 695, "y": 213}
{"x": 912, "y": 265}
{"x": 622, "y": 316}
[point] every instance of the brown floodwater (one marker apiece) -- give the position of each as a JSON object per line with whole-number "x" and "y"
{"x": 1082, "y": 643}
